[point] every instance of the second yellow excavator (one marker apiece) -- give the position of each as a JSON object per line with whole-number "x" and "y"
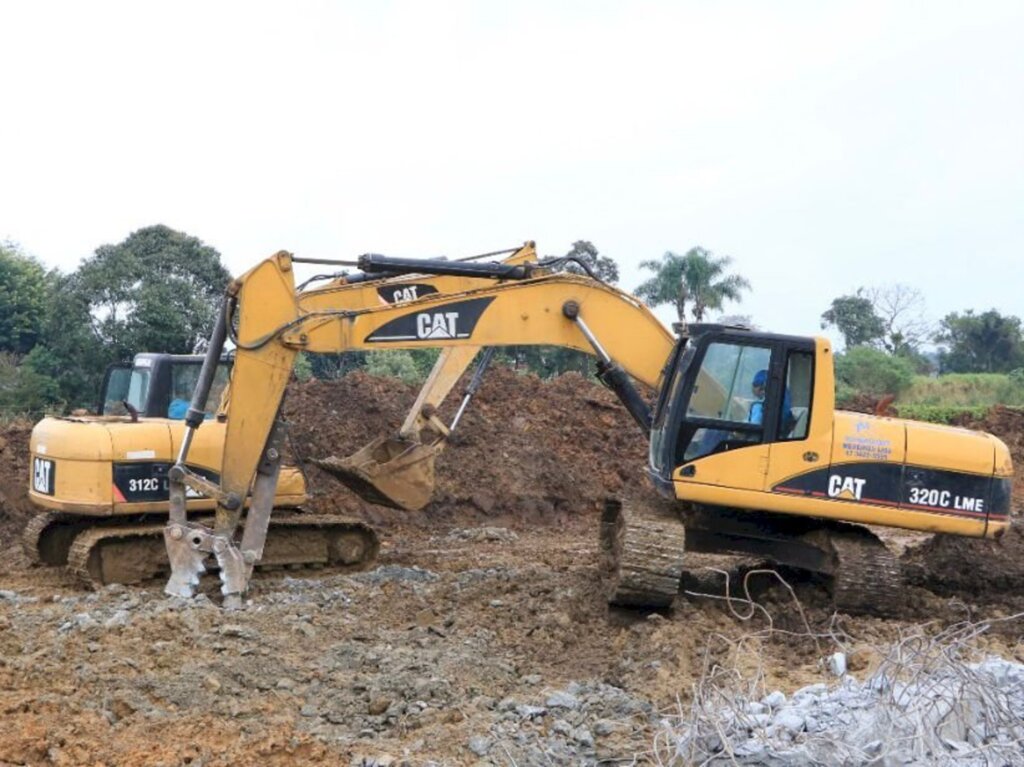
{"x": 100, "y": 479}
{"x": 745, "y": 443}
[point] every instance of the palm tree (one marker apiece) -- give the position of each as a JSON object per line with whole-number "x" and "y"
{"x": 697, "y": 277}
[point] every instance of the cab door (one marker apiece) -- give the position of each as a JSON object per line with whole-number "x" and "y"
{"x": 800, "y": 455}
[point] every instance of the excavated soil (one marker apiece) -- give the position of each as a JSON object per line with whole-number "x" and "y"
{"x": 481, "y": 636}
{"x": 526, "y": 450}
{"x": 15, "y": 508}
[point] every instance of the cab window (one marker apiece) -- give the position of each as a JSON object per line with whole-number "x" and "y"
{"x": 184, "y": 377}
{"x": 730, "y": 387}
{"x": 795, "y": 413}
{"x": 126, "y": 385}
{"x": 118, "y": 379}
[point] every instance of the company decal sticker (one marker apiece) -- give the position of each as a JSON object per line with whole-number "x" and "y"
{"x": 410, "y": 291}
{"x": 448, "y": 321}
{"x": 862, "y": 446}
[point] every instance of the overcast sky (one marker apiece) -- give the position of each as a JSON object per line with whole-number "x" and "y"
{"x": 821, "y": 145}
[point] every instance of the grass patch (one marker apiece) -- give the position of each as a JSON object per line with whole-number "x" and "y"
{"x": 944, "y": 414}
{"x": 964, "y": 390}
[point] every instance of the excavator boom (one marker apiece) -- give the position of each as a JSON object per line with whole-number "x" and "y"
{"x": 271, "y": 324}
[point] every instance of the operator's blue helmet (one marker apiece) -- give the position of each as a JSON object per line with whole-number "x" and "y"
{"x": 760, "y": 378}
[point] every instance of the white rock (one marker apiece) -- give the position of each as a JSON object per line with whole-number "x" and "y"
{"x": 530, "y": 712}
{"x": 836, "y": 664}
{"x": 480, "y": 745}
{"x": 811, "y": 690}
{"x": 790, "y": 719}
{"x": 775, "y": 699}
{"x": 118, "y": 619}
{"x": 563, "y": 700}
{"x": 561, "y": 727}
{"x": 582, "y": 736}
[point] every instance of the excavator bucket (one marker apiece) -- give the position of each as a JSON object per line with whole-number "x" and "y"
{"x": 391, "y": 472}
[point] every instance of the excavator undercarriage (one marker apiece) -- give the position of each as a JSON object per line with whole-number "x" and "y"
{"x": 102, "y": 550}
{"x": 644, "y": 552}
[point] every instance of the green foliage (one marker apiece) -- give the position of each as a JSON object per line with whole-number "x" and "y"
{"x": 397, "y": 363}
{"x": 855, "y": 318}
{"x": 959, "y": 390}
{"x": 157, "y": 291}
{"x": 302, "y": 368}
{"x": 23, "y": 389}
{"x": 981, "y": 343}
{"x": 697, "y": 277}
{"x": 945, "y": 414}
{"x": 331, "y": 366}
{"x": 869, "y": 372}
{"x": 22, "y": 300}
{"x": 546, "y": 361}
{"x": 69, "y": 351}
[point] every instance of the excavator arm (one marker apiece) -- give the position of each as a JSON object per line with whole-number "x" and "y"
{"x": 270, "y": 324}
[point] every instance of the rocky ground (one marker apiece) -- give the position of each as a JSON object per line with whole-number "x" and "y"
{"x": 481, "y": 636}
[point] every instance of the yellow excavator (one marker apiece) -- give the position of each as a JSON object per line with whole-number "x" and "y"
{"x": 745, "y": 443}
{"x": 101, "y": 479}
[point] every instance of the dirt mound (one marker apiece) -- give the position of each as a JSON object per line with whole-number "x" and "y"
{"x": 532, "y": 449}
{"x": 15, "y": 507}
{"x": 977, "y": 570}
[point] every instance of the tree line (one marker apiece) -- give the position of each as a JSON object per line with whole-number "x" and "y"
{"x": 159, "y": 289}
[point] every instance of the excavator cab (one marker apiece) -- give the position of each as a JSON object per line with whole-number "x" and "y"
{"x": 730, "y": 389}
{"x": 157, "y": 385}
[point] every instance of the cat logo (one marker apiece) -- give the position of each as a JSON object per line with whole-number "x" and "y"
{"x": 438, "y": 325}
{"x": 408, "y": 291}
{"x": 405, "y": 294}
{"x": 444, "y": 321}
{"x": 42, "y": 475}
{"x": 846, "y": 488}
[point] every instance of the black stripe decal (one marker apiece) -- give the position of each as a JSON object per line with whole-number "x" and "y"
{"x": 917, "y": 488}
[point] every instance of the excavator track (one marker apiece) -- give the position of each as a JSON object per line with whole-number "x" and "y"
{"x": 135, "y": 553}
{"x": 34, "y": 539}
{"x": 48, "y": 537}
{"x": 867, "y": 577}
{"x": 642, "y": 553}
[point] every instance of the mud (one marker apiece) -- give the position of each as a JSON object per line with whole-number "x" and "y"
{"x": 481, "y": 637}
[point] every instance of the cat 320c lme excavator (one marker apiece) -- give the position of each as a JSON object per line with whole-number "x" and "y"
{"x": 794, "y": 484}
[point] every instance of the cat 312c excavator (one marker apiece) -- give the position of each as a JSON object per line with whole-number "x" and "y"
{"x": 796, "y": 483}
{"x": 101, "y": 479}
